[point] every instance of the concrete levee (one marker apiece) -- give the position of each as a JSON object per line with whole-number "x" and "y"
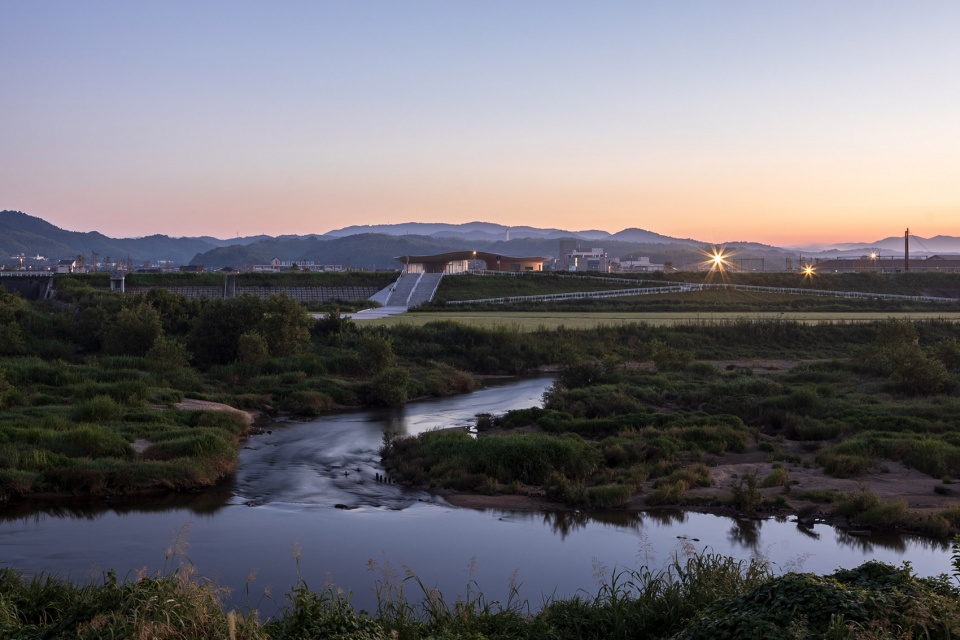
{"x": 301, "y": 294}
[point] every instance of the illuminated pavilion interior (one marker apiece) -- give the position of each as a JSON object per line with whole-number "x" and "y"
{"x": 463, "y": 261}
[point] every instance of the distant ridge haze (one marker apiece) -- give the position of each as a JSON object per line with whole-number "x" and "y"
{"x": 493, "y": 231}
{"x": 21, "y": 233}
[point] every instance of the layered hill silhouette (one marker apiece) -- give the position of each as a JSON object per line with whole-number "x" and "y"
{"x": 28, "y": 235}
{"x": 376, "y": 246}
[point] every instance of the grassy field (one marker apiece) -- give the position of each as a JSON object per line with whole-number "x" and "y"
{"x": 531, "y": 321}
{"x": 473, "y": 287}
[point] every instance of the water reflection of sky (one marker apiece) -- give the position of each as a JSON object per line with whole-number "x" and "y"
{"x": 283, "y": 496}
{"x": 555, "y": 553}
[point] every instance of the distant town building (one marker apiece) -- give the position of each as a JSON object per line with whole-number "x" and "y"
{"x": 67, "y": 266}
{"x": 574, "y": 258}
{"x": 276, "y": 265}
{"x": 640, "y": 265}
{"x": 564, "y": 258}
{"x": 883, "y": 264}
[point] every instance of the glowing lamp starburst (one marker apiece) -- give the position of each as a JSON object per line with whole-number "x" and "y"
{"x": 717, "y": 261}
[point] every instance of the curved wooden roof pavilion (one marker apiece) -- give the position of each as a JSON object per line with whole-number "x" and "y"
{"x": 459, "y": 261}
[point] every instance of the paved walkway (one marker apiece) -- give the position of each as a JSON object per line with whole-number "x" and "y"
{"x": 375, "y": 314}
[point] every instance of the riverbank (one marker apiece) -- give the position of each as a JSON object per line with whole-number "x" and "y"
{"x": 915, "y": 500}
{"x": 288, "y": 481}
{"x": 865, "y": 443}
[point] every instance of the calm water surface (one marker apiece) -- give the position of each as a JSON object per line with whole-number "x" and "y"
{"x": 248, "y": 534}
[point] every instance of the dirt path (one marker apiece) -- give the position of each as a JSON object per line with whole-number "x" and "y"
{"x": 190, "y": 404}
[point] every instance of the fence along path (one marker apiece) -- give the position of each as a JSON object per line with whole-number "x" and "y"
{"x": 678, "y": 287}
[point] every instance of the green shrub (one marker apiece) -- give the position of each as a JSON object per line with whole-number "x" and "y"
{"x": 308, "y": 403}
{"x": 204, "y": 444}
{"x": 88, "y": 441}
{"x": 668, "y": 492}
{"x": 819, "y": 495}
{"x": 389, "y": 387}
{"x": 252, "y": 348}
{"x": 167, "y": 354}
{"x": 745, "y": 495}
{"x": 842, "y": 465}
{"x": 779, "y": 477}
{"x": 609, "y": 495}
{"x": 101, "y": 408}
{"x": 14, "y": 483}
{"x": 866, "y": 509}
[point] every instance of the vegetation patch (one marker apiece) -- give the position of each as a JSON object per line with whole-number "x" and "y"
{"x": 702, "y": 596}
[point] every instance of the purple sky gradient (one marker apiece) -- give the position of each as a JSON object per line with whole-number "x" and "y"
{"x": 777, "y": 122}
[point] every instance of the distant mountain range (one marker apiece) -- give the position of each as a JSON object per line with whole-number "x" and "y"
{"x": 376, "y": 246}
{"x": 30, "y": 236}
{"x": 895, "y": 245}
{"x": 488, "y": 231}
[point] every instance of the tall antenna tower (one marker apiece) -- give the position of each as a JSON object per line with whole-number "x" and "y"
{"x": 906, "y": 250}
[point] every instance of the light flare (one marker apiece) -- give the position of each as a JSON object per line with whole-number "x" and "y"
{"x": 718, "y": 261}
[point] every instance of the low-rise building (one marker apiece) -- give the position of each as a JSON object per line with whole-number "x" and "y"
{"x": 640, "y": 265}
{"x": 67, "y": 266}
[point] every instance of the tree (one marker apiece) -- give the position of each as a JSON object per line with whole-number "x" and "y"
{"x": 333, "y": 324}
{"x": 176, "y": 311}
{"x": 133, "y": 332}
{"x": 167, "y": 354}
{"x": 252, "y": 348}
{"x": 389, "y": 387}
{"x": 11, "y": 334}
{"x": 897, "y": 353}
{"x": 216, "y": 332}
{"x": 285, "y": 325}
{"x": 377, "y": 350}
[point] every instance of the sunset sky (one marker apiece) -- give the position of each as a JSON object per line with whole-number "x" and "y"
{"x": 778, "y": 122}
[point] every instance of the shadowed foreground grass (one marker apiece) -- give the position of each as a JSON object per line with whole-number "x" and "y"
{"x": 703, "y": 596}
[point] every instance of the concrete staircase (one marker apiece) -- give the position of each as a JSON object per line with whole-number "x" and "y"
{"x": 426, "y": 287}
{"x": 412, "y": 289}
{"x": 402, "y": 289}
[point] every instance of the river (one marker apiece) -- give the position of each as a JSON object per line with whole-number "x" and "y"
{"x": 277, "y": 519}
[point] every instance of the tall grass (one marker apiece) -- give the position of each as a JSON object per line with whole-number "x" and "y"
{"x": 703, "y": 595}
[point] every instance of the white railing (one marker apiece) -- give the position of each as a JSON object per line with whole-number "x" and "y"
{"x": 28, "y": 274}
{"x": 799, "y": 291}
{"x": 610, "y": 293}
{"x": 684, "y": 287}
